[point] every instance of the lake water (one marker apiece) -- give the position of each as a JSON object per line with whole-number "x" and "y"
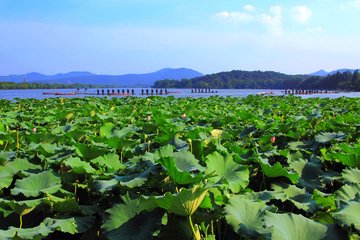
{"x": 38, "y": 93}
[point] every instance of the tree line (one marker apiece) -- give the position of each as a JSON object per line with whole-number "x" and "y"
{"x": 267, "y": 80}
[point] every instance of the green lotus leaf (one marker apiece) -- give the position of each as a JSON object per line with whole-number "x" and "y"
{"x": 19, "y": 206}
{"x": 347, "y": 192}
{"x": 181, "y": 166}
{"x": 346, "y": 158}
{"x": 140, "y": 227}
{"x": 48, "y": 226}
{"x": 327, "y": 137}
{"x": 178, "y": 143}
{"x": 121, "y": 213}
{"x": 110, "y": 162}
{"x": 37, "y": 184}
{"x": 299, "y": 197}
{"x": 183, "y": 203}
{"x": 277, "y": 170}
{"x": 349, "y": 215}
{"x": 130, "y": 181}
{"x": 165, "y": 151}
{"x": 127, "y": 131}
{"x": 120, "y": 144}
{"x": 70, "y": 225}
{"x": 6, "y": 177}
{"x": 79, "y": 166}
{"x": 310, "y": 174}
{"x": 2, "y": 127}
{"x": 88, "y": 152}
{"x": 36, "y": 233}
{"x": 180, "y": 177}
{"x": 247, "y": 131}
{"x": 245, "y": 216}
{"x": 69, "y": 205}
{"x": 48, "y": 149}
{"x": 107, "y": 130}
{"x": 351, "y": 176}
{"x": 324, "y": 200}
{"x": 235, "y": 174}
{"x": 6, "y": 156}
{"x": 290, "y": 226}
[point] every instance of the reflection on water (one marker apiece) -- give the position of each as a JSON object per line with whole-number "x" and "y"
{"x": 38, "y": 93}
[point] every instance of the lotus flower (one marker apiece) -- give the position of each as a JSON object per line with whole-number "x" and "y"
{"x": 148, "y": 118}
{"x": 34, "y": 130}
{"x": 216, "y": 133}
{"x": 183, "y": 115}
{"x": 273, "y": 139}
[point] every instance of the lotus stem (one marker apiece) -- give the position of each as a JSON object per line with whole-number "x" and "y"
{"x": 190, "y": 144}
{"x": 193, "y": 229}
{"x": 75, "y": 190}
{"x": 17, "y": 140}
{"x": 149, "y": 143}
{"x": 121, "y": 154}
{"x": 21, "y": 221}
{"x": 6, "y": 143}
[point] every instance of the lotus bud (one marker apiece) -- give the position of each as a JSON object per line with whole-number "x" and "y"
{"x": 34, "y": 130}
{"x": 273, "y": 139}
{"x": 148, "y": 118}
{"x": 183, "y": 115}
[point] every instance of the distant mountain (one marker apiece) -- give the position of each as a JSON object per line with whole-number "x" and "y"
{"x": 320, "y": 73}
{"x": 38, "y": 77}
{"x": 342, "y": 71}
{"x": 323, "y": 73}
{"x": 128, "y": 80}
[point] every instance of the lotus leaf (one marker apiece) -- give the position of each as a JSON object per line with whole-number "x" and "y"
{"x": 79, "y": 166}
{"x": 119, "y": 214}
{"x": 245, "y": 216}
{"x": 140, "y": 227}
{"x": 327, "y": 137}
{"x": 183, "y": 203}
{"x": 225, "y": 168}
{"x": 351, "y": 176}
{"x": 183, "y": 168}
{"x": 349, "y": 215}
{"x": 292, "y": 226}
{"x": 277, "y": 170}
{"x": 37, "y": 184}
{"x": 107, "y": 130}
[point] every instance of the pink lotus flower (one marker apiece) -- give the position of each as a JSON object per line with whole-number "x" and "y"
{"x": 183, "y": 115}
{"x": 273, "y": 139}
{"x": 148, "y": 118}
{"x": 34, "y": 130}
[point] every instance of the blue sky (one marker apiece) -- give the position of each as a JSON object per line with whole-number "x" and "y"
{"x": 139, "y": 36}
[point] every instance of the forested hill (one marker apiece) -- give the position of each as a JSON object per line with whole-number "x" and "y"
{"x": 266, "y": 80}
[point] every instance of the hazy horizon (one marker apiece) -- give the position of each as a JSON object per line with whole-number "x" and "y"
{"x": 125, "y": 37}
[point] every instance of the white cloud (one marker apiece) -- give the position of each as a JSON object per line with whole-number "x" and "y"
{"x": 350, "y": 5}
{"x": 273, "y": 20}
{"x": 302, "y": 14}
{"x": 235, "y": 16}
{"x": 354, "y": 3}
{"x": 249, "y": 8}
{"x": 315, "y": 29}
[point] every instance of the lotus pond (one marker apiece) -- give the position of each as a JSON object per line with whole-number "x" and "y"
{"x": 167, "y": 168}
